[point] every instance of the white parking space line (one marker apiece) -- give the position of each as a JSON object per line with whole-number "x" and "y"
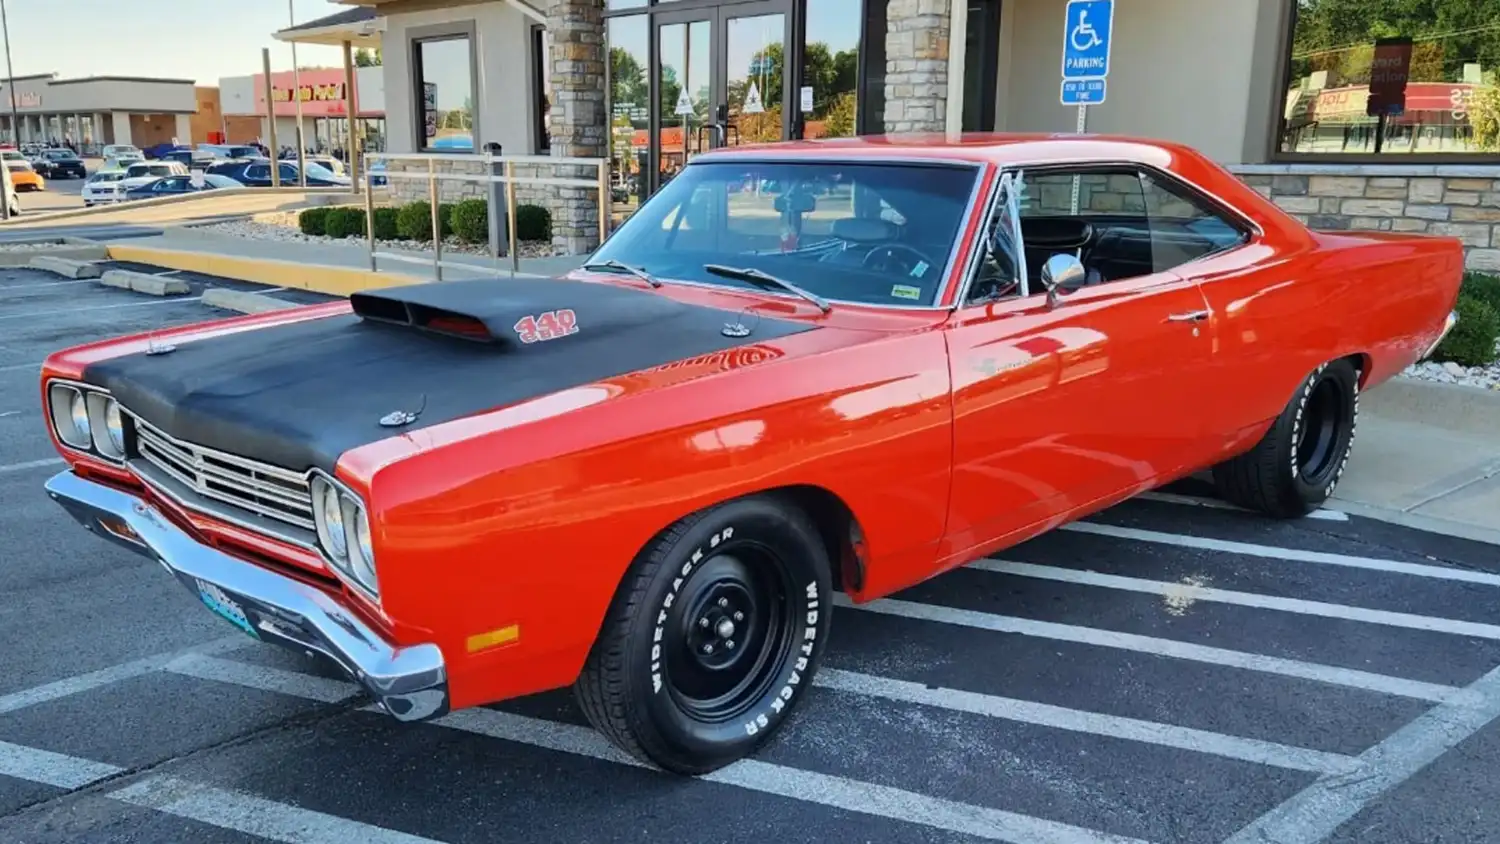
{"x": 806, "y": 786}
{"x": 34, "y": 314}
{"x": 253, "y": 815}
{"x": 1216, "y": 504}
{"x": 1074, "y": 720}
{"x": 10, "y": 413}
{"x": 48, "y": 768}
{"x": 1317, "y": 811}
{"x": 1286, "y": 554}
{"x": 1171, "y": 648}
{"x": 4, "y": 288}
{"x": 1184, "y": 594}
{"x": 797, "y": 784}
{"x": 17, "y": 367}
{"x": 30, "y": 464}
{"x": 113, "y": 674}
{"x": 267, "y": 679}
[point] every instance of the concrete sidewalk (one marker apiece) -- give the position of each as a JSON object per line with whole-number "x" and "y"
{"x": 354, "y": 255}
{"x": 1427, "y": 456}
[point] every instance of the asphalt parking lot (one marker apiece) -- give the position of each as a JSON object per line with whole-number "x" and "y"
{"x": 60, "y": 195}
{"x": 1167, "y": 671}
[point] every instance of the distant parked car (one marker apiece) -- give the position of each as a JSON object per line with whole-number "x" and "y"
{"x": 145, "y": 172}
{"x": 256, "y": 173}
{"x": 193, "y": 159}
{"x": 156, "y": 151}
{"x": 103, "y": 187}
{"x": 121, "y": 151}
{"x": 61, "y": 164}
{"x": 178, "y": 186}
{"x": 230, "y": 151}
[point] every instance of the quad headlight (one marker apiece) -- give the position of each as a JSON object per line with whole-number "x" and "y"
{"x": 344, "y": 532}
{"x": 87, "y": 419}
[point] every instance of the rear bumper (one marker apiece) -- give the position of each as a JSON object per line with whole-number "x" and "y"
{"x": 1448, "y": 324}
{"x": 411, "y": 683}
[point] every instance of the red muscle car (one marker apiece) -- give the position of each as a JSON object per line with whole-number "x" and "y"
{"x": 797, "y": 369}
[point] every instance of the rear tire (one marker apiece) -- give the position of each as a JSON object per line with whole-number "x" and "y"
{"x": 1295, "y": 467}
{"x": 713, "y": 637}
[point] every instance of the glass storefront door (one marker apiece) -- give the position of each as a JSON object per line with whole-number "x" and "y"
{"x": 720, "y": 80}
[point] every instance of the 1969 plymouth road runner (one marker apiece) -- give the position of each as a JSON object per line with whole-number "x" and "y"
{"x": 798, "y": 368}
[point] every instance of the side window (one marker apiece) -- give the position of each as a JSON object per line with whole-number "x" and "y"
{"x": 288, "y": 173}
{"x": 258, "y": 171}
{"x": 1183, "y": 227}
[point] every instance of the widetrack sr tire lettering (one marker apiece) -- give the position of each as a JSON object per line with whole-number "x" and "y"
{"x": 794, "y": 680}
{"x": 666, "y": 604}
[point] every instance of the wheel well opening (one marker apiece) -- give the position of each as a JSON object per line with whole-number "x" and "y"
{"x": 842, "y": 535}
{"x": 1361, "y": 364}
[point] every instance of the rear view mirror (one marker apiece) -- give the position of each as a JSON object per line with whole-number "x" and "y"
{"x": 1063, "y": 273}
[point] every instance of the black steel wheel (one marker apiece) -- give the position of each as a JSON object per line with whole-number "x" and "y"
{"x": 1295, "y": 467}
{"x": 713, "y": 637}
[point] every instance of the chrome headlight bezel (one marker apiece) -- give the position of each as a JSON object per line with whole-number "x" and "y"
{"x": 346, "y": 545}
{"x": 86, "y": 419}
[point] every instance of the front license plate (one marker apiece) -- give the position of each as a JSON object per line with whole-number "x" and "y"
{"x": 214, "y": 598}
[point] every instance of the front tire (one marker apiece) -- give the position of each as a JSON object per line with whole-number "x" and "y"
{"x": 713, "y": 637}
{"x": 1295, "y": 467}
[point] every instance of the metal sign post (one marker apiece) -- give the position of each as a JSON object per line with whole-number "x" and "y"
{"x": 1085, "y": 64}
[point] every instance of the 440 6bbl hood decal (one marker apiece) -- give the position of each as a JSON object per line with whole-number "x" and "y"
{"x": 299, "y": 395}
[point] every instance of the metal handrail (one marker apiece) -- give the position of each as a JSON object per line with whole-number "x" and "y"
{"x": 506, "y": 177}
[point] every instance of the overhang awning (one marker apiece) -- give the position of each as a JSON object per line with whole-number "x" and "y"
{"x": 361, "y": 26}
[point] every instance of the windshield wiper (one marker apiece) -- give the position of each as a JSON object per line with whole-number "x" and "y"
{"x": 612, "y": 264}
{"x": 765, "y": 279}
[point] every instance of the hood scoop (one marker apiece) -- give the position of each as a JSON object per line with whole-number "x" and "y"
{"x": 514, "y": 313}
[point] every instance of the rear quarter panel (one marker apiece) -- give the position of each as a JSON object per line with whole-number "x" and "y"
{"x": 1282, "y": 306}
{"x": 531, "y": 515}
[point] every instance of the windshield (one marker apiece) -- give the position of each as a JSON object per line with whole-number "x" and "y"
{"x": 318, "y": 171}
{"x": 874, "y": 233}
{"x": 108, "y": 176}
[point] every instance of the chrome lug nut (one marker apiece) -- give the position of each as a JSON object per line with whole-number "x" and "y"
{"x": 729, "y": 644}
{"x": 708, "y": 648}
{"x": 723, "y": 602}
{"x": 703, "y": 622}
{"x": 739, "y": 616}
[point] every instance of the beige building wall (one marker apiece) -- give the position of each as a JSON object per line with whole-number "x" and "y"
{"x": 1200, "y": 72}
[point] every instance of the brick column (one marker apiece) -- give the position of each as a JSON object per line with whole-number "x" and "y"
{"x": 916, "y": 65}
{"x": 578, "y": 123}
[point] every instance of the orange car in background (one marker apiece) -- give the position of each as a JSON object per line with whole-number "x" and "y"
{"x": 23, "y": 176}
{"x": 798, "y": 368}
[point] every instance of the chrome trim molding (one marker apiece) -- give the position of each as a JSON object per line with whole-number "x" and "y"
{"x": 410, "y": 682}
{"x": 1448, "y": 324}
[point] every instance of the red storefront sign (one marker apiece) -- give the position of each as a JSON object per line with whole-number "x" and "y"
{"x": 322, "y": 94}
{"x": 1389, "y": 71}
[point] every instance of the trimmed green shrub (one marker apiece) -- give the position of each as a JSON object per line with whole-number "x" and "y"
{"x": 1484, "y": 287}
{"x": 471, "y": 221}
{"x": 414, "y": 220}
{"x": 533, "y": 222}
{"x": 385, "y": 224}
{"x": 345, "y": 222}
{"x": 445, "y": 214}
{"x": 310, "y": 221}
{"x": 1472, "y": 341}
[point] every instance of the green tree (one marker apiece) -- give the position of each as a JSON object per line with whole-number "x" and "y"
{"x": 367, "y": 58}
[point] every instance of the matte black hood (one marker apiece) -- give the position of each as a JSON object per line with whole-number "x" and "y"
{"x": 300, "y": 395}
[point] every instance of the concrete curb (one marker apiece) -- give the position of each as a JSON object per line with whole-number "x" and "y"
{"x": 242, "y": 301}
{"x": 1452, "y": 407}
{"x": 315, "y": 197}
{"x": 319, "y": 278}
{"x": 65, "y": 267}
{"x": 1429, "y": 524}
{"x": 72, "y": 248}
{"x": 142, "y": 283}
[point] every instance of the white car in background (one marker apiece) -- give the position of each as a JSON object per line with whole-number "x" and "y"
{"x": 122, "y": 151}
{"x": 146, "y": 172}
{"x": 103, "y": 187}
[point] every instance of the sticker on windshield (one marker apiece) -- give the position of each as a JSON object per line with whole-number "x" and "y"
{"x": 906, "y": 291}
{"x": 919, "y": 270}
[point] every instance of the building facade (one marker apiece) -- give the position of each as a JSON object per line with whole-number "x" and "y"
{"x": 96, "y": 111}
{"x": 324, "y": 116}
{"x": 1346, "y": 113}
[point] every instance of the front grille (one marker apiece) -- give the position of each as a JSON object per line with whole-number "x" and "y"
{"x": 258, "y": 489}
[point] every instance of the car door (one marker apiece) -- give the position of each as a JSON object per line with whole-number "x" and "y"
{"x": 1059, "y": 403}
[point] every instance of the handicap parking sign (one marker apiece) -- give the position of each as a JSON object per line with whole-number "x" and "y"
{"x": 1086, "y": 39}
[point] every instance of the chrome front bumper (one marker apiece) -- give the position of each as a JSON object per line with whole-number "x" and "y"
{"x": 411, "y": 683}
{"x": 1448, "y": 324}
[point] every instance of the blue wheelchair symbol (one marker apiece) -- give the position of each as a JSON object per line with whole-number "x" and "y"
{"x": 1086, "y": 40}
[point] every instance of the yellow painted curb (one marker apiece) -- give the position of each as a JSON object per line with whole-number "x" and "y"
{"x": 319, "y": 278}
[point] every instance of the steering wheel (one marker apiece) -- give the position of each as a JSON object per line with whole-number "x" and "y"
{"x": 889, "y": 259}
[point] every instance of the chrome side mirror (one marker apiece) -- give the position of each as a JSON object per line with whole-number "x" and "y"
{"x": 1061, "y": 274}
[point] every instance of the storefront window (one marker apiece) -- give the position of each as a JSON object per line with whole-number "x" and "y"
{"x": 830, "y": 68}
{"x": 541, "y": 90}
{"x": 630, "y": 109}
{"x": 445, "y": 82}
{"x": 1384, "y": 77}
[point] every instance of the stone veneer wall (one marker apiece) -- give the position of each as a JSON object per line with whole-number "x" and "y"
{"x": 916, "y": 65}
{"x": 1457, "y": 201}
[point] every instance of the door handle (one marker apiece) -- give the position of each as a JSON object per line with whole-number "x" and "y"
{"x": 1190, "y": 316}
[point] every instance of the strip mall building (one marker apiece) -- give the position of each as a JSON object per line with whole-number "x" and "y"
{"x": 1304, "y": 99}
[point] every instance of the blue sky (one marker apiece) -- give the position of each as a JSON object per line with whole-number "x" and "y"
{"x": 201, "y": 40}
